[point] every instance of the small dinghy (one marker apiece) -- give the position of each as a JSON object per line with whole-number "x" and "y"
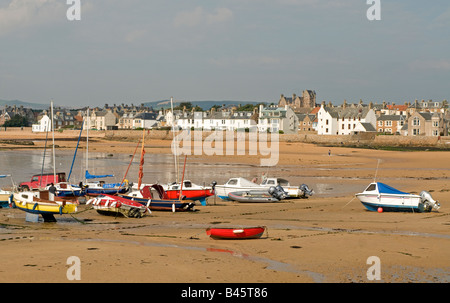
{"x": 236, "y": 233}
{"x": 273, "y": 194}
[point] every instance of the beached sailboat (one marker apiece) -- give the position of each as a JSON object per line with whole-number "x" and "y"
{"x": 186, "y": 188}
{"x": 155, "y": 198}
{"x": 381, "y": 196}
{"x": 146, "y": 197}
{"x": 63, "y": 187}
{"x": 236, "y": 233}
{"x": 95, "y": 188}
{"x": 191, "y": 191}
{"x": 40, "y": 203}
{"x": 114, "y": 205}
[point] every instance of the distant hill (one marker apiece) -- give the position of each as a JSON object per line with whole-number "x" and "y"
{"x": 156, "y": 105}
{"x": 25, "y": 104}
{"x": 205, "y": 105}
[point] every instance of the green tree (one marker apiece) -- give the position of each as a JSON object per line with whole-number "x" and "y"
{"x": 16, "y": 121}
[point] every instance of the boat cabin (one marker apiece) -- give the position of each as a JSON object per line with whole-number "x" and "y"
{"x": 275, "y": 182}
{"x": 240, "y": 182}
{"x": 186, "y": 184}
{"x": 371, "y": 187}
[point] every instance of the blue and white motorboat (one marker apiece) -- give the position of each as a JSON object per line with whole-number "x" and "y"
{"x": 379, "y": 195}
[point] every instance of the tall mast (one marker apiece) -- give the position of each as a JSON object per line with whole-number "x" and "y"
{"x": 88, "y": 125}
{"x": 174, "y": 138}
{"x": 141, "y": 164}
{"x": 53, "y": 141}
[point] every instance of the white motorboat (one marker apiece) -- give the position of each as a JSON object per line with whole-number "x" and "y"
{"x": 235, "y": 185}
{"x": 242, "y": 184}
{"x": 381, "y": 196}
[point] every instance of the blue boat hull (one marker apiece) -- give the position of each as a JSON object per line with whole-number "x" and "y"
{"x": 75, "y": 193}
{"x": 102, "y": 191}
{"x": 168, "y": 205}
{"x": 4, "y": 204}
{"x": 393, "y": 208}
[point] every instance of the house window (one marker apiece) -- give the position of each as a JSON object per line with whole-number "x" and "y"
{"x": 388, "y": 123}
{"x": 380, "y": 123}
{"x": 435, "y": 133}
{"x": 416, "y": 121}
{"x": 416, "y": 132}
{"x": 436, "y": 123}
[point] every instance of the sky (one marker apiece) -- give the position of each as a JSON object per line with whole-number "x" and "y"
{"x": 139, "y": 51}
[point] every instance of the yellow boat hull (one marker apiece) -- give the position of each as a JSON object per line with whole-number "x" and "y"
{"x": 46, "y": 207}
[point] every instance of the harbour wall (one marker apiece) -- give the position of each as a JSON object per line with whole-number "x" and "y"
{"x": 357, "y": 140}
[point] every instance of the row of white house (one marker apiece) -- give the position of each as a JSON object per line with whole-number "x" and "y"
{"x": 330, "y": 121}
{"x": 327, "y": 121}
{"x": 273, "y": 119}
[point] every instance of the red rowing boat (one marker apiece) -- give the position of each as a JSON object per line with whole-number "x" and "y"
{"x": 236, "y": 233}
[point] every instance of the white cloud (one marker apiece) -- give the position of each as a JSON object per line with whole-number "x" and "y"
{"x": 199, "y": 16}
{"x": 26, "y": 13}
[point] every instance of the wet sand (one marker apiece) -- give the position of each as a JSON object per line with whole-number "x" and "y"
{"x": 326, "y": 238}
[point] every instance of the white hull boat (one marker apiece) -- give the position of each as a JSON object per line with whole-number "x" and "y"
{"x": 381, "y": 196}
{"x": 242, "y": 184}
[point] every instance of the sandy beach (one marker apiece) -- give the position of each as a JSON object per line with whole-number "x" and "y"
{"x": 325, "y": 238}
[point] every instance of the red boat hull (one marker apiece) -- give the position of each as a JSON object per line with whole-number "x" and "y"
{"x": 236, "y": 233}
{"x": 189, "y": 193}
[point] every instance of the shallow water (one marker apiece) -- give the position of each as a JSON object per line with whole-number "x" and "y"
{"x": 158, "y": 168}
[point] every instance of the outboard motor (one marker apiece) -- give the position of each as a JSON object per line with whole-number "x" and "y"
{"x": 306, "y": 191}
{"x": 213, "y": 186}
{"x": 428, "y": 201}
{"x": 278, "y": 192}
